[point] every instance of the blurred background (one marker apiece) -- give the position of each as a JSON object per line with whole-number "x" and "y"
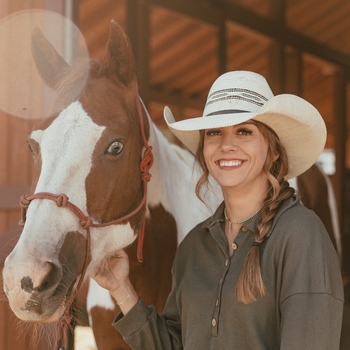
{"x": 181, "y": 46}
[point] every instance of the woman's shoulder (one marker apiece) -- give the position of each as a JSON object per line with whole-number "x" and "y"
{"x": 294, "y": 215}
{"x": 297, "y": 225}
{"x": 202, "y": 227}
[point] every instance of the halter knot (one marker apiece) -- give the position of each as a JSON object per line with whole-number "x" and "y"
{"x": 24, "y": 204}
{"x": 62, "y": 200}
{"x": 86, "y": 223}
{"x": 66, "y": 318}
{"x": 64, "y": 323}
{"x": 146, "y": 164}
{"x": 24, "y": 201}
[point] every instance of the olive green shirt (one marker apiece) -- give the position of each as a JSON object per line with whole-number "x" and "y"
{"x": 300, "y": 268}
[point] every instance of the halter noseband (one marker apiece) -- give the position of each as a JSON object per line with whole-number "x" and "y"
{"x": 86, "y": 222}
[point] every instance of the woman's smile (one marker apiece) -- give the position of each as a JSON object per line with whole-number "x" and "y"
{"x": 229, "y": 163}
{"x": 235, "y": 155}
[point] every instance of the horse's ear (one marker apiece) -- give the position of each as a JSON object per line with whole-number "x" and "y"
{"x": 49, "y": 63}
{"x": 119, "y": 55}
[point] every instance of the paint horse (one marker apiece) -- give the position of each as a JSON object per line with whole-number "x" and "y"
{"x": 316, "y": 191}
{"x": 91, "y": 190}
{"x": 92, "y": 195}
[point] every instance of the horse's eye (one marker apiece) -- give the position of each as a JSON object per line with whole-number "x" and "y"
{"x": 115, "y": 148}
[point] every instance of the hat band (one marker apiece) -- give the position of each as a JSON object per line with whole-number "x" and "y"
{"x": 227, "y": 111}
{"x": 245, "y": 95}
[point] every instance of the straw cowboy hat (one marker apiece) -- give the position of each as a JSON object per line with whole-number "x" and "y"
{"x": 238, "y": 96}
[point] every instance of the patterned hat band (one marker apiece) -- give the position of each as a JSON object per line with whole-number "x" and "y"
{"x": 227, "y": 111}
{"x": 238, "y": 94}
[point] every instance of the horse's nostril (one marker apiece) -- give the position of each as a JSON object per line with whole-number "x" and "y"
{"x": 27, "y": 284}
{"x": 52, "y": 277}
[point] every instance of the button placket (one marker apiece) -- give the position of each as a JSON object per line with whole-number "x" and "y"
{"x": 215, "y": 318}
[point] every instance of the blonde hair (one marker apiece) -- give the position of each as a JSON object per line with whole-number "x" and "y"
{"x": 250, "y": 284}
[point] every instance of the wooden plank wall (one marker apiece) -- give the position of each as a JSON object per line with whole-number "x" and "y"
{"x": 15, "y": 178}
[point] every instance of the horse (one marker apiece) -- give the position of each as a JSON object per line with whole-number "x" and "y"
{"x": 317, "y": 193}
{"x": 105, "y": 178}
{"x": 91, "y": 190}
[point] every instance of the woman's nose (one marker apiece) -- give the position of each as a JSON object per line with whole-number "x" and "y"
{"x": 228, "y": 143}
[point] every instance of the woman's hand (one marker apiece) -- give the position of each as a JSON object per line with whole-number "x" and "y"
{"x": 113, "y": 275}
{"x": 113, "y": 272}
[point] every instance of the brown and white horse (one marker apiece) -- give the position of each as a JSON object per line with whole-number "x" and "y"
{"x": 91, "y": 153}
{"x": 89, "y": 191}
{"x": 316, "y": 191}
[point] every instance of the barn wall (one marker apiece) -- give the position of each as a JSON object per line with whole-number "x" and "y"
{"x": 15, "y": 178}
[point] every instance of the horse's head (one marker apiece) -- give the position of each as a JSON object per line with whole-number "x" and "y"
{"x": 90, "y": 151}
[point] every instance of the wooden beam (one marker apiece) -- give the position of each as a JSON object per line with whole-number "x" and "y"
{"x": 222, "y": 49}
{"x": 340, "y": 129}
{"x": 215, "y": 12}
{"x": 138, "y": 29}
{"x": 293, "y": 71}
{"x": 163, "y": 97}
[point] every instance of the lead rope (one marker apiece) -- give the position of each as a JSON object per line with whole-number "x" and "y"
{"x": 86, "y": 222}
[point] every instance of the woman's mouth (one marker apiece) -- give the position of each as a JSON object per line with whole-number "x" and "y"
{"x": 230, "y": 163}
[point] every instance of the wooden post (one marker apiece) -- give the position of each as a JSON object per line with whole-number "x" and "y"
{"x": 138, "y": 29}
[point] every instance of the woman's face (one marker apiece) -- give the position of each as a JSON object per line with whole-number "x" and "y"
{"x": 235, "y": 156}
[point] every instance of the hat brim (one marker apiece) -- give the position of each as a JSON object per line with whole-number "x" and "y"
{"x": 297, "y": 123}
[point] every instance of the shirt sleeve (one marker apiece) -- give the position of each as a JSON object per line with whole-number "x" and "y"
{"x": 311, "y": 321}
{"x": 311, "y": 299}
{"x": 142, "y": 328}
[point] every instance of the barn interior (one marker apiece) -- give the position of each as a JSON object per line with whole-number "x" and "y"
{"x": 180, "y": 47}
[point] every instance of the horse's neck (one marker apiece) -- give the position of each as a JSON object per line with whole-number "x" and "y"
{"x": 173, "y": 181}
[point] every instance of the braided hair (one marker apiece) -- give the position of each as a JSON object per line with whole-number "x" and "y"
{"x": 250, "y": 284}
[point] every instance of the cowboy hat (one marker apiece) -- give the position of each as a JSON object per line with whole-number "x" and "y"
{"x": 238, "y": 96}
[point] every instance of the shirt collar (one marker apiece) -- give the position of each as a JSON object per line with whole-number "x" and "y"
{"x": 218, "y": 217}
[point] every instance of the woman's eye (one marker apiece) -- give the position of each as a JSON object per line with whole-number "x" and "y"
{"x": 115, "y": 148}
{"x": 212, "y": 132}
{"x": 244, "y": 131}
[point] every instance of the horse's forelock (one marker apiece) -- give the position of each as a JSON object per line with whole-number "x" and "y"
{"x": 101, "y": 69}
{"x": 98, "y": 69}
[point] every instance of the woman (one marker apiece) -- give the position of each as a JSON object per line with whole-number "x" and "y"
{"x": 261, "y": 273}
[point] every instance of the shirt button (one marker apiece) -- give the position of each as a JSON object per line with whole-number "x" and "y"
{"x": 244, "y": 229}
{"x": 213, "y": 322}
{"x": 234, "y": 246}
{"x": 217, "y": 303}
